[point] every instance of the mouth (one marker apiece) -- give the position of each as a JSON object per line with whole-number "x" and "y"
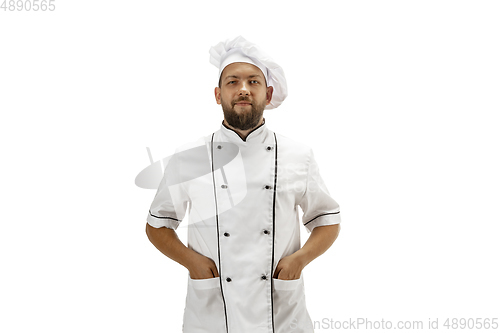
{"x": 242, "y": 103}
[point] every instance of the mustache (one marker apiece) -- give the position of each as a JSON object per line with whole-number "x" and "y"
{"x": 242, "y": 99}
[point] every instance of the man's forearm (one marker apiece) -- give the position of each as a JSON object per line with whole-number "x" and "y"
{"x": 321, "y": 238}
{"x": 319, "y": 241}
{"x": 167, "y": 242}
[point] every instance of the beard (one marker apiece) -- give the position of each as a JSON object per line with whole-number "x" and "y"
{"x": 245, "y": 119}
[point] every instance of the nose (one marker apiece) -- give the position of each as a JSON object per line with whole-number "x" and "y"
{"x": 243, "y": 90}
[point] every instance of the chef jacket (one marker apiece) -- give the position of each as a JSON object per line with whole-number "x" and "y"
{"x": 242, "y": 198}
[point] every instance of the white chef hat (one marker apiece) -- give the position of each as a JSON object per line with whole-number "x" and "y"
{"x": 241, "y": 50}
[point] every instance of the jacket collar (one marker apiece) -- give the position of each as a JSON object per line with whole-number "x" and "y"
{"x": 257, "y": 135}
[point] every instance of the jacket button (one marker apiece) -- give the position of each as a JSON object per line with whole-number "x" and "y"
{"x": 267, "y": 187}
{"x": 266, "y": 232}
{"x": 228, "y": 279}
{"x": 264, "y": 277}
{"x": 226, "y": 234}
{"x": 219, "y": 147}
{"x": 268, "y": 148}
{"x": 223, "y": 186}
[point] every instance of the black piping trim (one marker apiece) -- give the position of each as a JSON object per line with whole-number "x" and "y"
{"x": 320, "y": 216}
{"x": 245, "y": 140}
{"x": 217, "y": 220}
{"x": 164, "y": 217}
{"x": 274, "y": 223}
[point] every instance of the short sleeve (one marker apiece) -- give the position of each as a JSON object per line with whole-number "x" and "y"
{"x": 319, "y": 207}
{"x": 170, "y": 202}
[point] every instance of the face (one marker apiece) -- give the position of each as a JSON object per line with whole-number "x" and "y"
{"x": 243, "y": 95}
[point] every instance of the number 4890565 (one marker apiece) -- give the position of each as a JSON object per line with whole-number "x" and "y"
{"x": 28, "y": 5}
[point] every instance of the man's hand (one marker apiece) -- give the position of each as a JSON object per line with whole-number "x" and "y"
{"x": 201, "y": 267}
{"x": 289, "y": 267}
{"x": 166, "y": 240}
{"x": 321, "y": 238}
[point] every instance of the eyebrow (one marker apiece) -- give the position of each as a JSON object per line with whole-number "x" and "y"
{"x": 237, "y": 77}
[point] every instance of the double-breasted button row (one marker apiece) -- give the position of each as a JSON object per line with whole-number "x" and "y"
{"x": 266, "y": 232}
{"x": 268, "y": 148}
{"x": 263, "y": 277}
{"x": 267, "y": 187}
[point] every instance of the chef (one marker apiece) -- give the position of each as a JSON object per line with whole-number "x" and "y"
{"x": 240, "y": 188}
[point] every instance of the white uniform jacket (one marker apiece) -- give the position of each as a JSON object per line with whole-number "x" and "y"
{"x": 242, "y": 198}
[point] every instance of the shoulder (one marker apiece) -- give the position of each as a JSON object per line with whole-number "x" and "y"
{"x": 195, "y": 143}
{"x": 291, "y": 146}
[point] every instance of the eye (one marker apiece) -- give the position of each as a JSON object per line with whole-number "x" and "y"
{"x": 254, "y": 81}
{"x": 231, "y": 82}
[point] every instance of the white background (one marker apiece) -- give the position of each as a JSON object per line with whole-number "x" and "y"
{"x": 399, "y": 100}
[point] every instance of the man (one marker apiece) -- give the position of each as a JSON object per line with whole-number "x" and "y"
{"x": 243, "y": 184}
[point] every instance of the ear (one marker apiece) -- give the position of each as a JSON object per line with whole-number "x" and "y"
{"x": 217, "y": 95}
{"x": 269, "y": 94}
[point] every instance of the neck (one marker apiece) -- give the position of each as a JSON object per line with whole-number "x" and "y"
{"x": 244, "y": 133}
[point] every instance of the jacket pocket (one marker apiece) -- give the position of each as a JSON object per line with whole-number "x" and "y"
{"x": 290, "y": 307}
{"x": 204, "y": 311}
{"x": 203, "y": 284}
{"x": 287, "y": 284}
